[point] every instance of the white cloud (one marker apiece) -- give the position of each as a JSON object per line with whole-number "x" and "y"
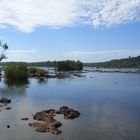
{"x": 26, "y": 15}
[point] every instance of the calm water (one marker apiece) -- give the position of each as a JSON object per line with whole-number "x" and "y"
{"x": 109, "y": 104}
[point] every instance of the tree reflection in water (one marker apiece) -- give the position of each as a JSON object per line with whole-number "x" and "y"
{"x": 13, "y": 89}
{"x": 42, "y": 80}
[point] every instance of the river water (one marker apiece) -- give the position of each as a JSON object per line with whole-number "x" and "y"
{"x": 109, "y": 104}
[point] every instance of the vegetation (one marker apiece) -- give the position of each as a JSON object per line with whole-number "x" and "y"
{"x": 4, "y": 48}
{"x": 60, "y": 65}
{"x": 18, "y": 72}
{"x": 69, "y": 65}
{"x": 131, "y": 62}
{"x": 15, "y": 71}
{"x": 36, "y": 72}
{"x": 43, "y": 64}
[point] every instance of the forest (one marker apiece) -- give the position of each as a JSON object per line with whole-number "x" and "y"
{"x": 131, "y": 62}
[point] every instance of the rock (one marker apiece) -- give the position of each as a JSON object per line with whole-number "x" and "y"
{"x": 43, "y": 116}
{"x": 78, "y": 75}
{"x": 56, "y": 131}
{"x": 63, "y": 109}
{"x": 45, "y": 127}
{"x": 47, "y": 123}
{"x": 39, "y": 127}
{"x": 8, "y": 108}
{"x": 69, "y": 113}
{"x": 25, "y": 119}
{"x": 56, "y": 124}
{"x": 8, "y": 126}
{"x": 5, "y": 100}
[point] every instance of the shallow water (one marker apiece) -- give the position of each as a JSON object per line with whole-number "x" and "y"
{"x": 109, "y": 104}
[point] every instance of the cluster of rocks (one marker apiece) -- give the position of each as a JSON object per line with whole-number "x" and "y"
{"x": 46, "y": 122}
{"x": 5, "y": 100}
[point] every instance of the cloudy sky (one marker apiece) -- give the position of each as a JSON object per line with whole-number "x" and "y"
{"x": 86, "y": 30}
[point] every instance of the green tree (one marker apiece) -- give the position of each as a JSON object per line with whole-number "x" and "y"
{"x": 15, "y": 71}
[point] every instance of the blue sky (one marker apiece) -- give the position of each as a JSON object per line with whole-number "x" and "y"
{"x": 106, "y": 33}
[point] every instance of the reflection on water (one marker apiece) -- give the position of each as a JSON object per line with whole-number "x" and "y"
{"x": 13, "y": 89}
{"x": 42, "y": 80}
{"x": 109, "y": 104}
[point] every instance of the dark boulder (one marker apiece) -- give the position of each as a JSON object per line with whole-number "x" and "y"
{"x": 5, "y": 100}
{"x": 69, "y": 113}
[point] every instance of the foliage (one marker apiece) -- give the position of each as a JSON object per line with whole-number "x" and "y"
{"x": 37, "y": 72}
{"x": 131, "y": 62}
{"x": 43, "y": 64}
{"x": 15, "y": 71}
{"x": 69, "y": 65}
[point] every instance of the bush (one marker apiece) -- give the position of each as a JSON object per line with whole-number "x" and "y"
{"x": 35, "y": 72}
{"x": 15, "y": 71}
{"x": 69, "y": 65}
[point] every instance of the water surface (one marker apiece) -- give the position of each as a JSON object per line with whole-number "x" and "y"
{"x": 109, "y": 104}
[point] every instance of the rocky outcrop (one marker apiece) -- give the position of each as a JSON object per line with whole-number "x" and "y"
{"x": 69, "y": 113}
{"x": 46, "y": 122}
{"x": 5, "y": 100}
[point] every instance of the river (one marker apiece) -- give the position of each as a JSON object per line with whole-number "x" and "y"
{"x": 109, "y": 104}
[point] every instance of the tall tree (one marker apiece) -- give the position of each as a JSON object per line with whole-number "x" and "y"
{"x": 4, "y": 48}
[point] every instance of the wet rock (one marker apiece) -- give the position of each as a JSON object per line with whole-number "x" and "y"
{"x": 8, "y": 108}
{"x": 47, "y": 123}
{"x": 47, "y": 127}
{"x": 5, "y": 100}
{"x": 8, "y": 126}
{"x": 78, "y": 75}
{"x": 25, "y": 119}
{"x": 43, "y": 116}
{"x": 69, "y": 113}
{"x": 56, "y": 124}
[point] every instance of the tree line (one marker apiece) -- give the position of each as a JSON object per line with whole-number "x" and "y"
{"x": 60, "y": 65}
{"x": 131, "y": 62}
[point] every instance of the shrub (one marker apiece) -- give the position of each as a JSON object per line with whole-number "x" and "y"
{"x": 69, "y": 65}
{"x": 36, "y": 72}
{"x": 15, "y": 71}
